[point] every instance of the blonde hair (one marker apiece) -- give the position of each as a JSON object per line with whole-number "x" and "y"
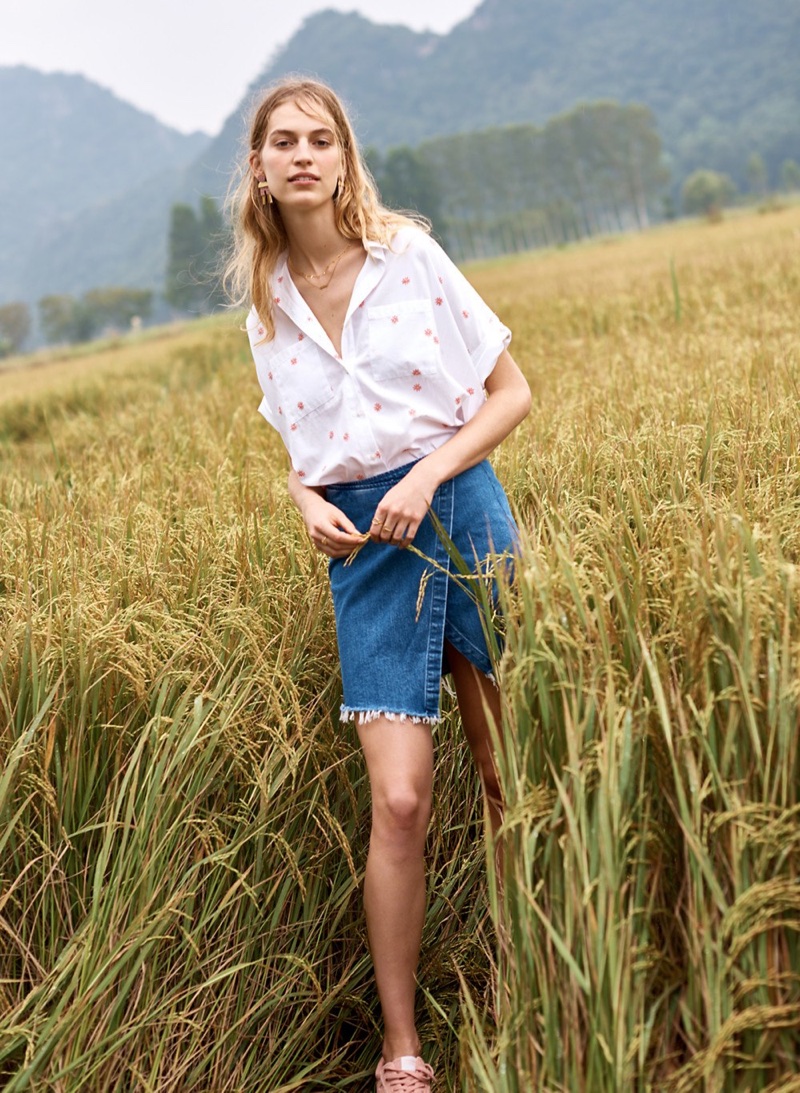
{"x": 259, "y": 235}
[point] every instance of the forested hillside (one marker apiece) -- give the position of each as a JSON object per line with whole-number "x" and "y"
{"x": 87, "y": 182}
{"x": 721, "y": 76}
{"x": 70, "y": 151}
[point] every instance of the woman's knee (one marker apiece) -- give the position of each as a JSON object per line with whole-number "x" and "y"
{"x": 401, "y": 811}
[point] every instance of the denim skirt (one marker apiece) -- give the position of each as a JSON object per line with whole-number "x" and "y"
{"x": 394, "y": 609}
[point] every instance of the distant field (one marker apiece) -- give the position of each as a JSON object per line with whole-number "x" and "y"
{"x": 183, "y": 822}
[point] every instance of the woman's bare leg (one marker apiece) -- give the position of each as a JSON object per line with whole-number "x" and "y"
{"x": 399, "y": 757}
{"x": 476, "y": 694}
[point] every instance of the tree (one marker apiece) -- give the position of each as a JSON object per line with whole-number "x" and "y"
{"x": 196, "y": 241}
{"x": 214, "y": 238}
{"x": 757, "y": 178}
{"x": 64, "y": 319}
{"x": 116, "y": 307}
{"x": 706, "y": 192}
{"x": 183, "y": 247}
{"x": 790, "y": 175}
{"x": 406, "y": 181}
{"x": 15, "y": 326}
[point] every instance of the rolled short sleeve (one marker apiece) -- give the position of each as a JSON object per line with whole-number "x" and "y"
{"x": 464, "y": 315}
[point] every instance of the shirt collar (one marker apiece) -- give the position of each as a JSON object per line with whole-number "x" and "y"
{"x": 286, "y": 295}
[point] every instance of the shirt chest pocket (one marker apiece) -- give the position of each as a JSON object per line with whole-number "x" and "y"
{"x": 402, "y": 340}
{"x": 305, "y": 381}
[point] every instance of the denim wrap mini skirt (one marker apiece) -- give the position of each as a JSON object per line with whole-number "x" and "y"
{"x": 395, "y": 610}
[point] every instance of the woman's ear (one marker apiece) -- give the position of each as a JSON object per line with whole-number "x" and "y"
{"x": 254, "y": 159}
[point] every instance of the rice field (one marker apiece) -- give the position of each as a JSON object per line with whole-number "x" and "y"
{"x": 183, "y": 822}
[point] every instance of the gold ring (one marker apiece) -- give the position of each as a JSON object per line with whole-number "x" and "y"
{"x": 378, "y": 520}
{"x": 324, "y": 540}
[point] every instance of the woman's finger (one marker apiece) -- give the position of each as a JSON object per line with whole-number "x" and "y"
{"x": 343, "y": 522}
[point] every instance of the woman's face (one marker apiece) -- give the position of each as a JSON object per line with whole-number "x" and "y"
{"x": 300, "y": 157}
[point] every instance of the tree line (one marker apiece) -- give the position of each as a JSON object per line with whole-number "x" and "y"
{"x": 68, "y": 319}
{"x": 192, "y": 286}
{"x": 708, "y": 192}
{"x": 596, "y": 169}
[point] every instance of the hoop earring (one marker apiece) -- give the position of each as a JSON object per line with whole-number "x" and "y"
{"x": 266, "y": 196}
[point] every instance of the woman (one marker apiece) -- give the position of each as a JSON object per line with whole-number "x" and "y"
{"x": 390, "y": 383}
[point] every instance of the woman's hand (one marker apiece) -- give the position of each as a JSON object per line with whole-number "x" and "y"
{"x": 403, "y": 507}
{"x": 329, "y": 529}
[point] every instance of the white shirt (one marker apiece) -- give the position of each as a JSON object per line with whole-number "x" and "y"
{"x": 417, "y": 345}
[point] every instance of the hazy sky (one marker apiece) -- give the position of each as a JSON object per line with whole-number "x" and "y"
{"x": 187, "y": 63}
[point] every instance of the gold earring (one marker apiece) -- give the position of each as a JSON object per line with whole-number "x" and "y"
{"x": 266, "y": 196}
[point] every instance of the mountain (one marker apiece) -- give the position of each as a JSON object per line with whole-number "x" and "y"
{"x": 720, "y": 75}
{"x": 72, "y": 153}
{"x": 86, "y": 181}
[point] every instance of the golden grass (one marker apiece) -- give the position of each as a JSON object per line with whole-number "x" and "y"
{"x": 184, "y": 821}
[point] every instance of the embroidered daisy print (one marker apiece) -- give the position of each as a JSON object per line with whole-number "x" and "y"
{"x": 417, "y": 387}
{"x": 378, "y": 406}
{"x": 395, "y": 318}
{"x": 406, "y": 280}
{"x": 439, "y": 301}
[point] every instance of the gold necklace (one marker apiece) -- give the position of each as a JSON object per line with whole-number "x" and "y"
{"x": 331, "y": 266}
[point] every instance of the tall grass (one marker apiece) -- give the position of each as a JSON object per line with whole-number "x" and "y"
{"x": 649, "y": 919}
{"x": 184, "y": 822}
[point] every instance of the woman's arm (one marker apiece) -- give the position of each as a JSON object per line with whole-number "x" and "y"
{"x": 508, "y": 402}
{"x": 329, "y": 529}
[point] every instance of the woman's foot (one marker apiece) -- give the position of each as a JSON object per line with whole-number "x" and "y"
{"x": 406, "y": 1074}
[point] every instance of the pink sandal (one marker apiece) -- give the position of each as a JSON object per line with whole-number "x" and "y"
{"x": 408, "y": 1074}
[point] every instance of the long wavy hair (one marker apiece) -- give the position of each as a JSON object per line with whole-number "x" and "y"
{"x": 259, "y": 235}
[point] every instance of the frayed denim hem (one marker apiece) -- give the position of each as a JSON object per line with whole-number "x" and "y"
{"x": 365, "y": 716}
